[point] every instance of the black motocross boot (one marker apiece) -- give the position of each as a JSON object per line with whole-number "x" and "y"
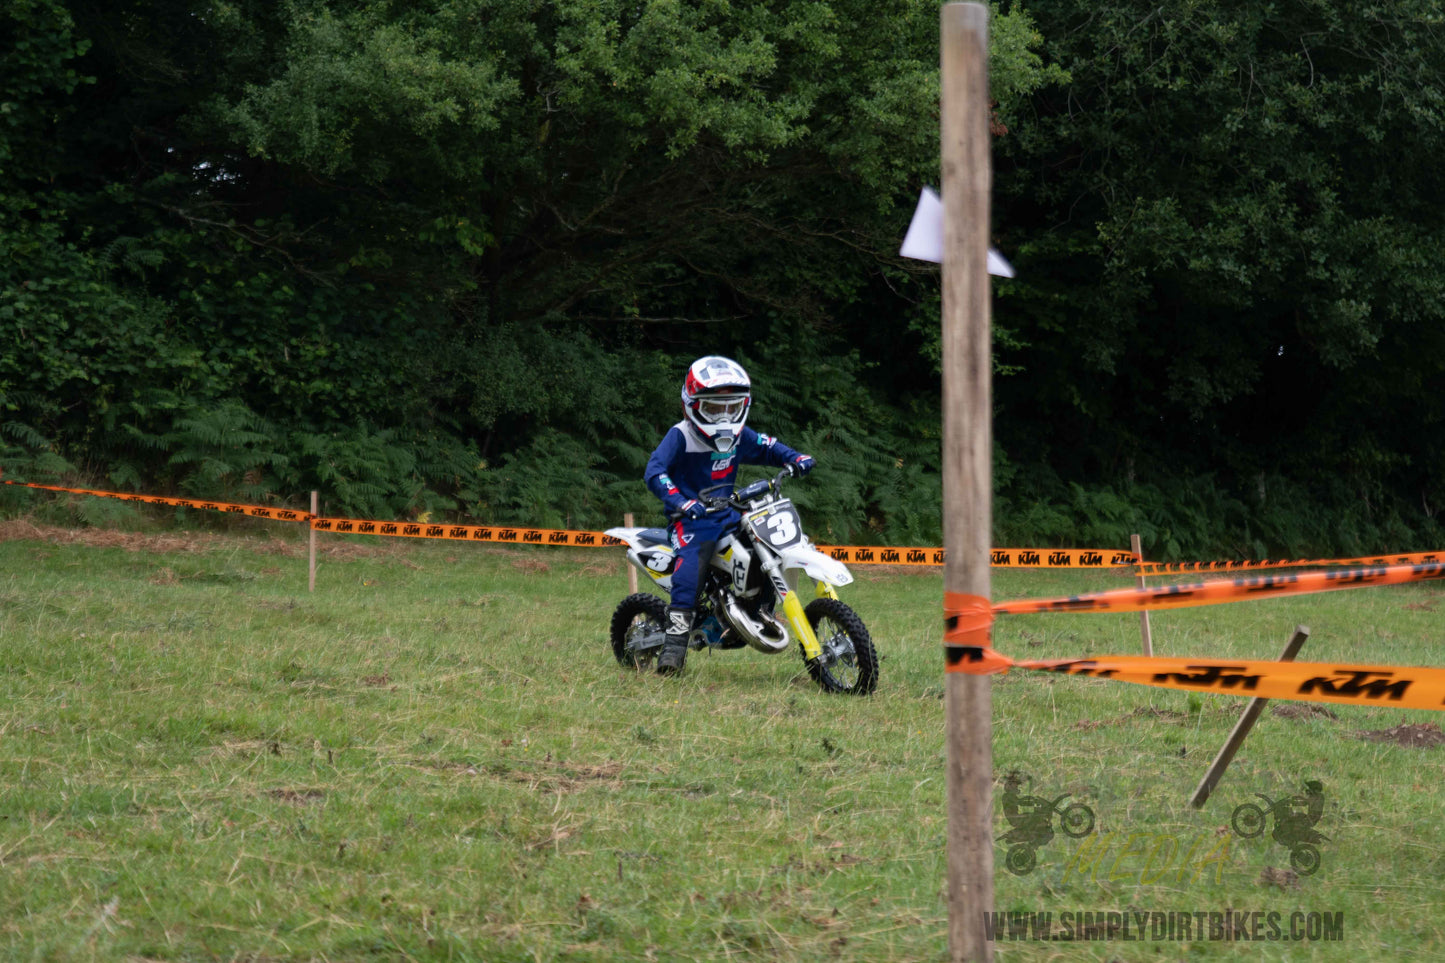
{"x": 674, "y": 644}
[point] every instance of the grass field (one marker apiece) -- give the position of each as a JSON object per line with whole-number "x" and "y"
{"x": 434, "y": 757}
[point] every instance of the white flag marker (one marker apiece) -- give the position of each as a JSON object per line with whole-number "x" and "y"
{"x": 924, "y": 240}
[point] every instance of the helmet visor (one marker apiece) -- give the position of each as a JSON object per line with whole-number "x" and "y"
{"x": 722, "y": 408}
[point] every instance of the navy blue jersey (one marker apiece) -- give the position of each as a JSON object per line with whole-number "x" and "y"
{"x": 683, "y": 464}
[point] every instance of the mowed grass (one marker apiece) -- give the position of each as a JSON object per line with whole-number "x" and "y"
{"x": 434, "y": 756}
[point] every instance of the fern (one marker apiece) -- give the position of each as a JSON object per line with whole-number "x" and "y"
{"x": 31, "y": 458}
{"x": 555, "y": 481}
{"x": 365, "y": 472}
{"x": 128, "y": 252}
{"x": 25, "y": 435}
{"x": 224, "y": 452}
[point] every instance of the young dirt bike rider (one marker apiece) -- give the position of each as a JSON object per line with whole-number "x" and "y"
{"x": 703, "y": 450}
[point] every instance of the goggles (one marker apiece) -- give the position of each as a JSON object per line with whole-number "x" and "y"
{"x": 722, "y": 408}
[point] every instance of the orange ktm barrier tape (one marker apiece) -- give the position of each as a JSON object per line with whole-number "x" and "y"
{"x": 861, "y": 555}
{"x": 466, "y": 533}
{"x": 1163, "y": 568}
{"x": 880, "y": 555}
{"x": 1215, "y": 593}
{"x": 255, "y": 511}
{"x": 1060, "y": 558}
{"x": 1404, "y": 687}
{"x": 966, "y": 623}
{"x": 998, "y": 557}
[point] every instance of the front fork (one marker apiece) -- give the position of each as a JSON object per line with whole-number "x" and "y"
{"x": 793, "y": 608}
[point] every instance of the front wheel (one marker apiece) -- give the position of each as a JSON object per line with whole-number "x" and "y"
{"x": 638, "y": 626}
{"x": 1248, "y": 820}
{"x": 1077, "y": 820}
{"x": 848, "y": 663}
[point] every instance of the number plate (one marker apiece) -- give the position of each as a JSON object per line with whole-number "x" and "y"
{"x": 777, "y": 525}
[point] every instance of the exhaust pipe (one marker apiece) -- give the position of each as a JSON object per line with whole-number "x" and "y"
{"x": 765, "y": 633}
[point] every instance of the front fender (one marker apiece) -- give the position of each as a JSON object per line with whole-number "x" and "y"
{"x": 816, "y": 565}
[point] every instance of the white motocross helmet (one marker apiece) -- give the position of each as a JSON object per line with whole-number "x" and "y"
{"x": 716, "y": 396}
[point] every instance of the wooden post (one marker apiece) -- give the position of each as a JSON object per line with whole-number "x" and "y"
{"x": 311, "y": 540}
{"x": 631, "y": 569}
{"x": 1144, "y": 632}
{"x": 967, "y": 461}
{"x": 1241, "y": 728}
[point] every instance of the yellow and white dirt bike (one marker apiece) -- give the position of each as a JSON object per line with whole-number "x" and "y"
{"x": 749, "y": 594}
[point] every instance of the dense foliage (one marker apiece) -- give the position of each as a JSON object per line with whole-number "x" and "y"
{"x": 453, "y": 256}
{"x": 1236, "y": 288}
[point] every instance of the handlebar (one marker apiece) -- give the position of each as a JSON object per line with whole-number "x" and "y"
{"x": 713, "y": 504}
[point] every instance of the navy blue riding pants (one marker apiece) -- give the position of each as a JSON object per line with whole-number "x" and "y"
{"x": 693, "y": 541}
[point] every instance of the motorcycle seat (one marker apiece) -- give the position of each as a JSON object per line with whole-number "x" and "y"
{"x": 654, "y": 536}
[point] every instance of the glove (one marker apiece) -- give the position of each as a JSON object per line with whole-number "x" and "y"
{"x": 803, "y": 464}
{"x": 690, "y": 508}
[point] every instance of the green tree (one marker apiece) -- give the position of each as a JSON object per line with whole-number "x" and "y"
{"x": 468, "y": 233}
{"x": 1226, "y": 226}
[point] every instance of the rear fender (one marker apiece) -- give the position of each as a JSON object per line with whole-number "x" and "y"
{"x": 628, "y": 535}
{"x": 654, "y": 561}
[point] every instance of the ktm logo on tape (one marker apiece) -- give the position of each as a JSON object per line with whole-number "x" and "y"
{"x": 1412, "y": 687}
{"x": 1358, "y": 683}
{"x": 467, "y": 533}
{"x": 998, "y": 557}
{"x": 1160, "y": 568}
{"x": 1214, "y": 593}
{"x": 256, "y": 511}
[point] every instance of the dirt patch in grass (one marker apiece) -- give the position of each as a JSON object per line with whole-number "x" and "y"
{"x": 553, "y": 778}
{"x": 1285, "y": 879}
{"x": 22, "y": 530}
{"x": 1303, "y": 710}
{"x": 1417, "y": 735}
{"x": 881, "y": 573}
{"x": 299, "y": 797}
{"x": 195, "y": 542}
{"x": 1149, "y": 712}
{"x": 540, "y": 775}
{"x": 1144, "y": 712}
{"x": 245, "y": 748}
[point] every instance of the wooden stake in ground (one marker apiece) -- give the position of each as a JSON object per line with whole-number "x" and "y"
{"x": 311, "y": 543}
{"x": 967, "y": 462}
{"x": 1241, "y": 728}
{"x": 631, "y": 569}
{"x": 1144, "y": 632}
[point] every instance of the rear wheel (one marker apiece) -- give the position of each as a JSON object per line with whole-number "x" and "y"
{"x": 848, "y": 663}
{"x": 637, "y": 630}
{"x": 1020, "y": 860}
{"x": 1305, "y": 859}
